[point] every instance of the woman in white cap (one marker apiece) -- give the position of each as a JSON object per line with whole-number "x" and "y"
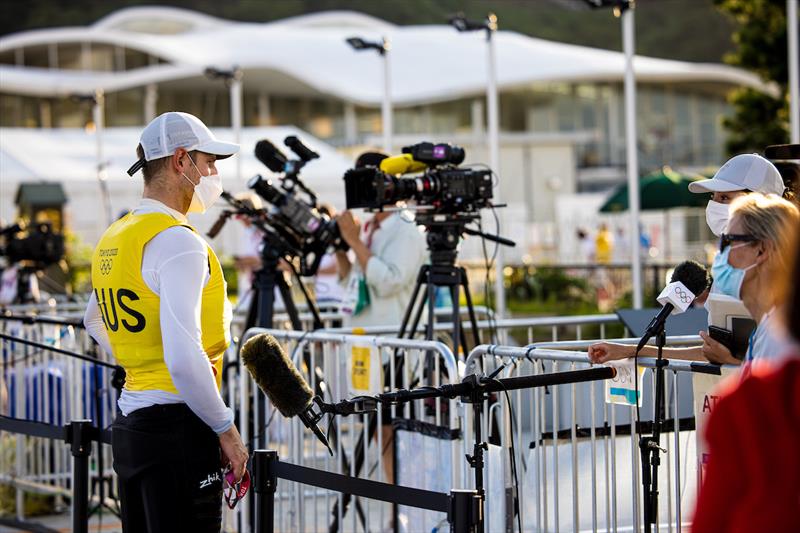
{"x": 740, "y": 175}
{"x": 753, "y": 253}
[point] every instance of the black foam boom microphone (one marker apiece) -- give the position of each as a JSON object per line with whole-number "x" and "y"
{"x": 689, "y": 279}
{"x": 279, "y": 379}
{"x": 271, "y": 156}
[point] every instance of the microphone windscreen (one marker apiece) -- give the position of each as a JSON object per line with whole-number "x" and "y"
{"x": 274, "y": 373}
{"x": 270, "y": 155}
{"x": 693, "y": 275}
{"x": 401, "y": 164}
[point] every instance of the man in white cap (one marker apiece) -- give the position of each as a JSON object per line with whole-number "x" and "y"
{"x": 740, "y": 175}
{"x": 159, "y": 305}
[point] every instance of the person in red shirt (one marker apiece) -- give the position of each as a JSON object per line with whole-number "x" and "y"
{"x": 752, "y": 482}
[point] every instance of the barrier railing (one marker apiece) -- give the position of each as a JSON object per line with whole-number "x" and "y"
{"x": 44, "y": 382}
{"x": 527, "y": 330}
{"x": 337, "y": 355}
{"x": 79, "y": 435}
{"x": 582, "y": 451}
{"x": 461, "y": 507}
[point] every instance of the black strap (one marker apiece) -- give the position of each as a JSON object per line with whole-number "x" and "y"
{"x": 421, "y": 499}
{"x": 706, "y": 368}
{"x": 44, "y": 430}
{"x": 136, "y": 167}
{"x": 32, "y": 429}
{"x": 53, "y": 349}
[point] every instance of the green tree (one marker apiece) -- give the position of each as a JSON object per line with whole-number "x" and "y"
{"x": 759, "y": 119}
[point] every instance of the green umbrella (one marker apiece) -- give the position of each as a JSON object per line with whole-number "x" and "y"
{"x": 663, "y": 189}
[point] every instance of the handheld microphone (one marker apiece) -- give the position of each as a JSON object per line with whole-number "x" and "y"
{"x": 271, "y": 156}
{"x": 278, "y": 378}
{"x": 401, "y": 164}
{"x": 688, "y": 280}
{"x": 218, "y": 225}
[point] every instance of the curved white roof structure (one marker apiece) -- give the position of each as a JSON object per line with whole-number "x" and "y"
{"x": 308, "y": 55}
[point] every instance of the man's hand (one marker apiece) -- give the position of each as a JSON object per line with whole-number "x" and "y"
{"x": 349, "y": 228}
{"x": 716, "y": 352}
{"x": 233, "y": 452}
{"x": 602, "y": 352}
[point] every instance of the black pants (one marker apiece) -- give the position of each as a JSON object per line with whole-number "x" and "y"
{"x": 168, "y": 464}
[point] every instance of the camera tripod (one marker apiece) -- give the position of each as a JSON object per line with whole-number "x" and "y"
{"x": 260, "y": 314}
{"x": 443, "y": 238}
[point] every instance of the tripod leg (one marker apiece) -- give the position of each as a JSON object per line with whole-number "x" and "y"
{"x": 459, "y": 340}
{"x": 476, "y": 337}
{"x": 410, "y": 308}
{"x": 418, "y": 315}
{"x": 288, "y": 302}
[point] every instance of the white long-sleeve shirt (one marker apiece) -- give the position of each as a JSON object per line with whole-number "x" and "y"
{"x": 174, "y": 266}
{"x": 398, "y": 251}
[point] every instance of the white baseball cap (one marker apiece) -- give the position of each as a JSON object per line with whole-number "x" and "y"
{"x": 170, "y": 131}
{"x": 743, "y": 172}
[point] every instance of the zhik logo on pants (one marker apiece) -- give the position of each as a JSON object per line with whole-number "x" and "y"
{"x": 210, "y": 478}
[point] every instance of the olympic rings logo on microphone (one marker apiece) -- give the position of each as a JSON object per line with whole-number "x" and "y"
{"x": 683, "y": 295}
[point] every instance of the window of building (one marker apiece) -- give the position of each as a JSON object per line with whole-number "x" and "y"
{"x": 125, "y": 108}
{"x": 8, "y": 58}
{"x": 37, "y": 56}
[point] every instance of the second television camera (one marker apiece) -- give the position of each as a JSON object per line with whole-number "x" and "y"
{"x": 308, "y": 232}
{"x": 443, "y": 185}
{"x": 37, "y": 244}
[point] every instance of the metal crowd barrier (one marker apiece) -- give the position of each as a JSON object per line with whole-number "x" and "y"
{"x": 39, "y": 385}
{"x": 509, "y": 330}
{"x": 79, "y": 435}
{"x": 299, "y": 508}
{"x": 578, "y": 460}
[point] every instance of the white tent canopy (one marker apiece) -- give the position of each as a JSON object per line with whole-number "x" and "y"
{"x": 308, "y": 54}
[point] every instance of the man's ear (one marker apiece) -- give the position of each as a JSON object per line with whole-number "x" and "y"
{"x": 176, "y": 160}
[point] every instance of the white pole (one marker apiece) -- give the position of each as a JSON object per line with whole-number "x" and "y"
{"x": 98, "y": 117}
{"x": 386, "y": 107}
{"x": 632, "y": 156}
{"x": 794, "y": 79}
{"x": 236, "y": 122}
{"x": 493, "y": 115}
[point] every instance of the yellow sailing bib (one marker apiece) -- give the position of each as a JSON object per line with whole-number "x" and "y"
{"x": 130, "y": 310}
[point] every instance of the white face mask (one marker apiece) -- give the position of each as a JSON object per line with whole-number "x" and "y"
{"x": 206, "y": 192}
{"x": 717, "y": 217}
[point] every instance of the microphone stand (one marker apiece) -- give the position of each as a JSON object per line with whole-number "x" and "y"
{"x": 649, "y": 446}
{"x": 473, "y": 389}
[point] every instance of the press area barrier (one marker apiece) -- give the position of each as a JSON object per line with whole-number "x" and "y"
{"x": 326, "y": 361}
{"x": 462, "y": 507}
{"x": 47, "y": 378}
{"x": 575, "y": 452}
{"x": 79, "y": 435}
{"x": 511, "y": 331}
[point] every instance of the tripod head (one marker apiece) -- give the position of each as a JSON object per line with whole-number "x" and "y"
{"x": 444, "y": 233}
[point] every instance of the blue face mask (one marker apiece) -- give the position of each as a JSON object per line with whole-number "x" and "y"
{"x": 727, "y": 279}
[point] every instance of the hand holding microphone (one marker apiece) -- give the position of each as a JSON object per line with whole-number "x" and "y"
{"x": 688, "y": 280}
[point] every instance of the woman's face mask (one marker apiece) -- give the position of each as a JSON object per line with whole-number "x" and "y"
{"x": 727, "y": 279}
{"x": 206, "y": 192}
{"x": 717, "y": 217}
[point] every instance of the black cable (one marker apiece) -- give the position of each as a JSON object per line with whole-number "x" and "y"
{"x": 636, "y": 390}
{"x": 488, "y": 265}
{"x": 263, "y": 430}
{"x": 513, "y": 458}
